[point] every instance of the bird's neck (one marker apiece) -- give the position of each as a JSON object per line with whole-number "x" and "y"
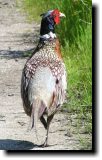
{"x": 48, "y": 36}
{"x": 47, "y": 29}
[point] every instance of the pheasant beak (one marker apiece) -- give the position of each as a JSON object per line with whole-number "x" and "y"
{"x": 62, "y": 15}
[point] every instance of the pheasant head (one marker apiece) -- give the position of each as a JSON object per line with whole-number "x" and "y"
{"x": 49, "y": 20}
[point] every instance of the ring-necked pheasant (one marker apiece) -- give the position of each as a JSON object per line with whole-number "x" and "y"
{"x": 43, "y": 85}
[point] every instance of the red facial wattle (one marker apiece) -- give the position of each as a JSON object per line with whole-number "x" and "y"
{"x": 56, "y": 16}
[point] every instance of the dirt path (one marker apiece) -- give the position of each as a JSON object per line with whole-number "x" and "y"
{"x": 16, "y": 37}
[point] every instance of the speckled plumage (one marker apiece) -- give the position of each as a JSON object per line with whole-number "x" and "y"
{"x": 44, "y": 58}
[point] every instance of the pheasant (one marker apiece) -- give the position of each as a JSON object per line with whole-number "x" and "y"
{"x": 43, "y": 84}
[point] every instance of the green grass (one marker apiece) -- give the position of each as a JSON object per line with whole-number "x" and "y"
{"x": 79, "y": 68}
{"x": 85, "y": 145}
{"x": 75, "y": 34}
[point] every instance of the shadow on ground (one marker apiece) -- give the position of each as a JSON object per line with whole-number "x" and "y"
{"x": 9, "y": 144}
{"x": 16, "y": 54}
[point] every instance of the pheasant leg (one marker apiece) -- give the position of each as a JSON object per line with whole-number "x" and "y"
{"x": 48, "y": 124}
{"x": 43, "y": 121}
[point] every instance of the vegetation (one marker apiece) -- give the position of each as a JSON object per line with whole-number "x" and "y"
{"x": 75, "y": 34}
